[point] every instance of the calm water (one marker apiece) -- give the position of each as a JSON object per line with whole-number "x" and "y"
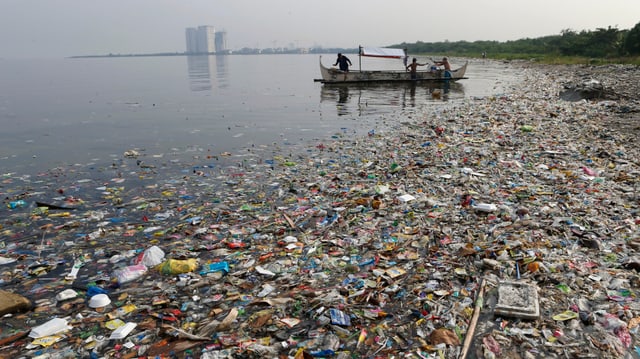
{"x": 79, "y": 111}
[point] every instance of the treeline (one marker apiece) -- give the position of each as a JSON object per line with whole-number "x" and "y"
{"x": 600, "y": 43}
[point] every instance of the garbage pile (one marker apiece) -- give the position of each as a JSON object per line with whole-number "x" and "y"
{"x": 501, "y": 227}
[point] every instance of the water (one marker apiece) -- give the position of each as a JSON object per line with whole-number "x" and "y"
{"x": 80, "y": 111}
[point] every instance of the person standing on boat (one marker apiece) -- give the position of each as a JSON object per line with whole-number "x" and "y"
{"x": 344, "y": 62}
{"x": 413, "y": 68}
{"x": 447, "y": 67}
{"x": 445, "y": 63}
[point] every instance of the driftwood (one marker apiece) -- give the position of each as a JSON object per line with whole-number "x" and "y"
{"x": 474, "y": 321}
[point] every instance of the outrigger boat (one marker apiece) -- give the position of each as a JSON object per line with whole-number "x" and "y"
{"x": 333, "y": 75}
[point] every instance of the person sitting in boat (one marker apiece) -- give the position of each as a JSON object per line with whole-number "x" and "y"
{"x": 445, "y": 63}
{"x": 413, "y": 68}
{"x": 344, "y": 62}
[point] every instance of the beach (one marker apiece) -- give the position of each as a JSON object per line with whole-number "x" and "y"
{"x": 372, "y": 247}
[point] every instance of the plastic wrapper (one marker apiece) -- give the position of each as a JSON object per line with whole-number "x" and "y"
{"x": 178, "y": 266}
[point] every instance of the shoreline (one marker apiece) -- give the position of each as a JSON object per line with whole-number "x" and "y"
{"x": 395, "y": 231}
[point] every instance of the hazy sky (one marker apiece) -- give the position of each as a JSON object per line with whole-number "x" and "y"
{"x": 59, "y": 28}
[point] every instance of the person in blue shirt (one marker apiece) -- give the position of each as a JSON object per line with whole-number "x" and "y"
{"x": 344, "y": 62}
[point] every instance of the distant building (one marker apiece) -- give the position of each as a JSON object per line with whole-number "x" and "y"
{"x": 191, "y": 35}
{"x": 201, "y": 40}
{"x": 221, "y": 42}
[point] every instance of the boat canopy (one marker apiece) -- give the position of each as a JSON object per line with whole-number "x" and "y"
{"x": 386, "y": 52}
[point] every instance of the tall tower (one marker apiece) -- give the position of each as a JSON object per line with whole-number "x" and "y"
{"x": 221, "y": 41}
{"x": 192, "y": 40}
{"x": 206, "y": 39}
{"x": 200, "y": 40}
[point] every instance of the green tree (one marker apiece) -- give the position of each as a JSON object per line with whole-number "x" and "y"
{"x": 602, "y": 42}
{"x": 632, "y": 41}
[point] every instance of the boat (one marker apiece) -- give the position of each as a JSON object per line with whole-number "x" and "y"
{"x": 432, "y": 73}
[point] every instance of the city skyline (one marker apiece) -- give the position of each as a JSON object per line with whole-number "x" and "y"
{"x": 62, "y": 28}
{"x": 204, "y": 39}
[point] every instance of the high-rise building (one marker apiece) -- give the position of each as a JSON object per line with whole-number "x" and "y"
{"x": 221, "y": 41}
{"x": 200, "y": 40}
{"x": 192, "y": 40}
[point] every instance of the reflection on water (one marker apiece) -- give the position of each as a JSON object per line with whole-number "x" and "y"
{"x": 109, "y": 105}
{"x": 199, "y": 69}
{"x": 368, "y": 98}
{"x": 221, "y": 70}
{"x": 199, "y": 72}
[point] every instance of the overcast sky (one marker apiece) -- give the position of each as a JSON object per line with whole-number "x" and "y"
{"x": 60, "y": 28}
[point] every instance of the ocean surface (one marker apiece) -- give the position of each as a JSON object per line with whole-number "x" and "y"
{"x": 90, "y": 111}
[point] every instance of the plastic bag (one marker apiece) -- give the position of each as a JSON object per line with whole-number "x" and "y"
{"x": 130, "y": 273}
{"x": 178, "y": 266}
{"x": 151, "y": 257}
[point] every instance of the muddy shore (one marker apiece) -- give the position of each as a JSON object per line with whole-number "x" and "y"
{"x": 613, "y": 122}
{"x": 620, "y": 90}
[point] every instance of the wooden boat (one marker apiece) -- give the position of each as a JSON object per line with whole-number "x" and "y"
{"x": 333, "y": 75}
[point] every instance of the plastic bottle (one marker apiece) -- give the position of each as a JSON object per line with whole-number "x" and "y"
{"x": 16, "y": 204}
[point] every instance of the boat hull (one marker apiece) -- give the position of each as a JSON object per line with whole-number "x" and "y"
{"x": 333, "y": 75}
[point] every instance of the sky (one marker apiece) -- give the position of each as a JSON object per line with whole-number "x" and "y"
{"x": 62, "y": 28}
